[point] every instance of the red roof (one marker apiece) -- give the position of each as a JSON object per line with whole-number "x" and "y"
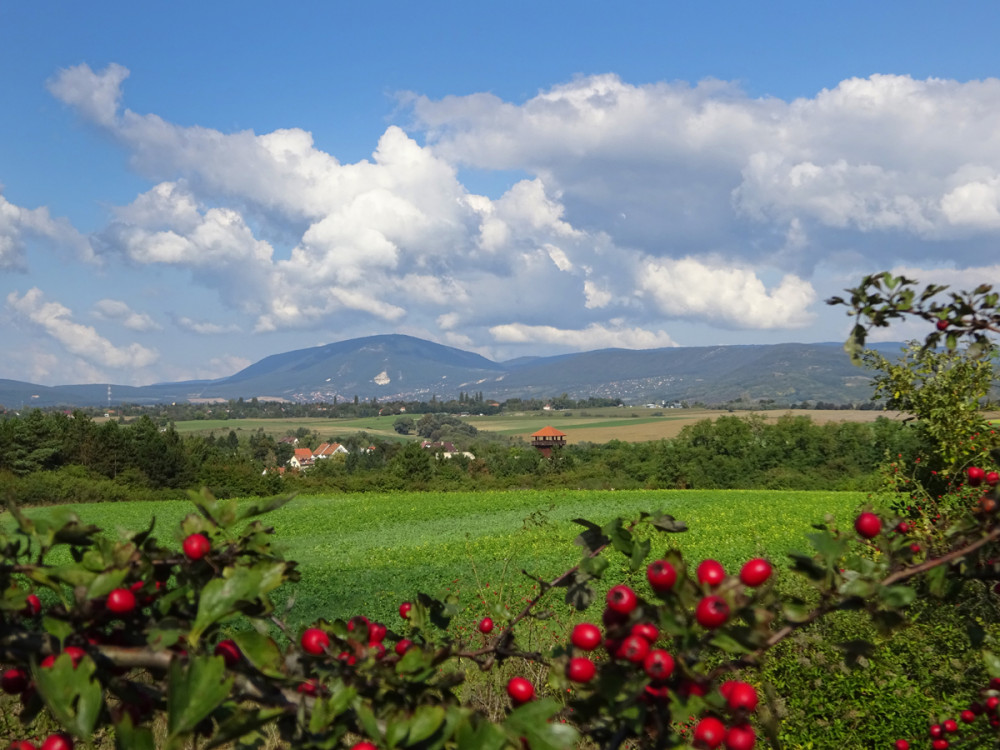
{"x": 548, "y": 431}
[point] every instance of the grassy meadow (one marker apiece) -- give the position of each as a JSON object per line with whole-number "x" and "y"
{"x": 366, "y": 553}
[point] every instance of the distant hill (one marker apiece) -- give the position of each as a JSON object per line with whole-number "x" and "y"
{"x": 396, "y": 367}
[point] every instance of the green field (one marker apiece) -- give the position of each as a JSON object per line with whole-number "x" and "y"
{"x": 366, "y": 553}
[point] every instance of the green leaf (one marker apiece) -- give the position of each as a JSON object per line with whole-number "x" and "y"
{"x": 425, "y": 722}
{"x": 485, "y": 736}
{"x": 593, "y": 538}
{"x": 130, "y": 737}
{"x": 593, "y": 566}
{"x": 897, "y": 596}
{"x": 222, "y": 597}
{"x": 194, "y": 692}
{"x": 533, "y": 722}
{"x": 806, "y": 564}
{"x": 73, "y": 697}
{"x": 992, "y": 662}
{"x": 730, "y": 645}
{"x": 640, "y": 551}
{"x": 104, "y": 583}
{"x": 621, "y": 538}
{"x": 242, "y": 723}
{"x": 666, "y": 522}
{"x": 260, "y": 507}
{"x": 261, "y": 651}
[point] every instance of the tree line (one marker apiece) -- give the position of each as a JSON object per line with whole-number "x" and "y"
{"x": 55, "y": 457}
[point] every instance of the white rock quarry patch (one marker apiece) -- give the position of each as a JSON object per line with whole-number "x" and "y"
{"x": 382, "y": 378}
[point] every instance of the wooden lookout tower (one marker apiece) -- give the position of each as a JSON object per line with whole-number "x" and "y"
{"x": 548, "y": 438}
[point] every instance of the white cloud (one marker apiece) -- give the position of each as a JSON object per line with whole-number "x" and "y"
{"x": 83, "y": 341}
{"x": 594, "y": 336}
{"x": 206, "y": 328}
{"x": 112, "y": 309}
{"x": 638, "y": 204}
{"x": 19, "y": 225}
{"x": 727, "y": 296}
{"x": 95, "y": 95}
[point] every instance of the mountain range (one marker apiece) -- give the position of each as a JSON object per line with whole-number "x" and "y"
{"x": 396, "y": 367}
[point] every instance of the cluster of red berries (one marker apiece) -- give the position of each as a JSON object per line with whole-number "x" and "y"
{"x": 976, "y": 476}
{"x": 636, "y": 645}
{"x": 939, "y": 733}
{"x": 58, "y": 741}
{"x": 316, "y": 642}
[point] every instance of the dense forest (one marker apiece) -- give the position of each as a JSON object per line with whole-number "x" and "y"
{"x": 53, "y": 457}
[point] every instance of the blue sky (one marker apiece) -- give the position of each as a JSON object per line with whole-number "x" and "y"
{"x": 186, "y": 188}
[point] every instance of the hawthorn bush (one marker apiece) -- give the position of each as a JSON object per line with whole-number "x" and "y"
{"x": 144, "y": 643}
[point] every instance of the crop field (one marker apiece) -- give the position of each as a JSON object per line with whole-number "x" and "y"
{"x": 366, "y": 553}
{"x": 628, "y": 424}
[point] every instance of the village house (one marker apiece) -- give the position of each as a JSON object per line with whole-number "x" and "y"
{"x": 329, "y": 449}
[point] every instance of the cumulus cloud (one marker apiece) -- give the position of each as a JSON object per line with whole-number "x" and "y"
{"x": 733, "y": 297}
{"x": 19, "y": 225}
{"x": 95, "y": 95}
{"x": 636, "y": 206}
{"x": 885, "y": 154}
{"x": 594, "y": 336}
{"x": 113, "y": 309}
{"x": 56, "y": 320}
{"x": 206, "y": 328}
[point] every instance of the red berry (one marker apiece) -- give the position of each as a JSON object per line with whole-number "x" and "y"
{"x": 741, "y": 695}
{"x": 21, "y": 745}
{"x": 315, "y": 641}
{"x": 229, "y": 652}
{"x": 661, "y": 575}
{"x": 75, "y": 654}
{"x": 711, "y": 572}
{"x": 58, "y": 741}
{"x": 709, "y": 733}
{"x": 712, "y": 612}
{"x": 485, "y": 625}
{"x": 942, "y": 325}
{"x": 376, "y": 632}
{"x": 14, "y": 681}
{"x": 968, "y": 716}
{"x": 121, "y": 601}
{"x": 196, "y": 546}
{"x": 901, "y": 745}
{"x": 975, "y": 475}
{"x": 992, "y": 478}
{"x": 404, "y": 610}
{"x": 950, "y": 726}
{"x": 622, "y": 599}
{"x": 935, "y": 731}
{"x": 991, "y": 703}
{"x": 740, "y": 737}
{"x": 940, "y": 744}
{"x": 658, "y": 664}
{"x": 310, "y": 687}
{"x": 586, "y": 636}
{"x": 580, "y": 669}
{"x": 755, "y": 572}
{"x": 402, "y": 646}
{"x": 520, "y": 690}
{"x": 868, "y": 525}
{"x": 634, "y": 649}
{"x": 32, "y": 606}
{"x": 645, "y": 630}
{"x": 363, "y": 746}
